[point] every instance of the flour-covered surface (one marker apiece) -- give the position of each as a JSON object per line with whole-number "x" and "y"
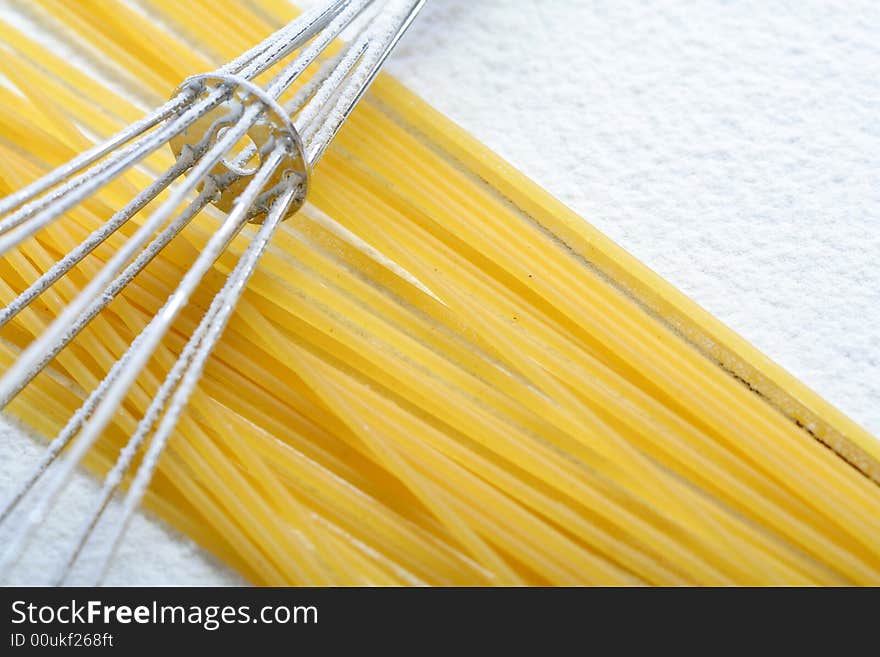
{"x": 734, "y": 147}
{"x": 152, "y": 554}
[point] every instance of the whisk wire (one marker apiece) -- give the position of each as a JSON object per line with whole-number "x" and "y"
{"x": 205, "y": 120}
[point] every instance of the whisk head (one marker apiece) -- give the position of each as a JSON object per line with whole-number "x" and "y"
{"x": 245, "y": 139}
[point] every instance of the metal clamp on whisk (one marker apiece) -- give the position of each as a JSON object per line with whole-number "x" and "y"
{"x": 272, "y": 130}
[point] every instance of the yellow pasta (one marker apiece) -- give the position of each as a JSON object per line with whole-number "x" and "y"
{"x": 438, "y": 374}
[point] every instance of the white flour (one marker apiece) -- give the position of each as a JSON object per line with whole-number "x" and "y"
{"x": 734, "y": 147}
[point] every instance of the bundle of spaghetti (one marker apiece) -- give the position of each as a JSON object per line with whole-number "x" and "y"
{"x": 438, "y": 374}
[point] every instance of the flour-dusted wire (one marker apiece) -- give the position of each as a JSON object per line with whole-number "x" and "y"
{"x": 265, "y": 182}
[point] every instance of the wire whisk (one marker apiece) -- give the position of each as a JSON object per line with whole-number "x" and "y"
{"x": 205, "y": 123}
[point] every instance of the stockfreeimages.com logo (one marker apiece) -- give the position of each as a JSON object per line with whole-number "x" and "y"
{"x": 210, "y": 617}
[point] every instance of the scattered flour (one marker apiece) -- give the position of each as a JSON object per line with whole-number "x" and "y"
{"x": 733, "y": 147}
{"x": 152, "y": 554}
